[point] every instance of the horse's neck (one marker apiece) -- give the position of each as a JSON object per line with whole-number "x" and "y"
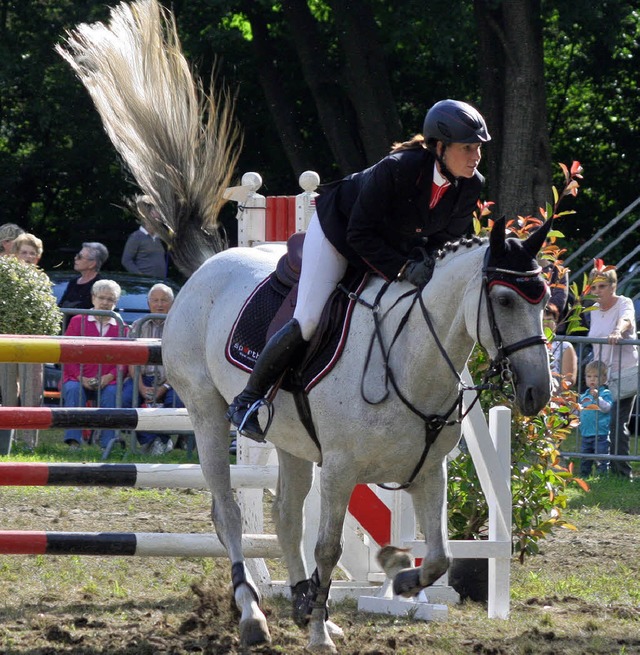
{"x": 450, "y": 297}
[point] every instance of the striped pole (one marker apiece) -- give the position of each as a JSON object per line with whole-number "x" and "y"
{"x": 79, "y": 350}
{"x": 154, "y": 419}
{"x": 143, "y": 544}
{"x": 155, "y": 476}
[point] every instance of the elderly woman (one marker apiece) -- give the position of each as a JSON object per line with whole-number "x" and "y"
{"x": 614, "y": 319}
{"x": 88, "y": 263}
{"x": 28, "y": 248}
{"x": 82, "y": 382}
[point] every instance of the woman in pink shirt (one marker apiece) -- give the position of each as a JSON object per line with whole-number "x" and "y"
{"x": 98, "y": 382}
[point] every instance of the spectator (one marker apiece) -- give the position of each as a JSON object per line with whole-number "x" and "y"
{"x": 595, "y": 417}
{"x": 82, "y": 382}
{"x": 88, "y": 263}
{"x": 564, "y": 361}
{"x": 613, "y": 318}
{"x": 153, "y": 388}
{"x": 28, "y": 248}
{"x": 8, "y": 234}
{"x": 144, "y": 252}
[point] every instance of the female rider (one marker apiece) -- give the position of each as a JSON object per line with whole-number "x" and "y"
{"x": 422, "y": 194}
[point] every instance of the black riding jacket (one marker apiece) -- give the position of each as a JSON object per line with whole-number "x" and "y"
{"x": 376, "y": 217}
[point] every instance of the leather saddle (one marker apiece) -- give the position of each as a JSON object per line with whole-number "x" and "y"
{"x": 272, "y": 304}
{"x": 285, "y": 280}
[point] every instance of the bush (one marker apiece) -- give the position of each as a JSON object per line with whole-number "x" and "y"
{"x": 538, "y": 479}
{"x": 27, "y": 304}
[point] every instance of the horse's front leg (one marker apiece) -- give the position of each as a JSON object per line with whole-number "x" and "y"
{"x": 336, "y": 486}
{"x": 211, "y": 429}
{"x": 429, "y": 500}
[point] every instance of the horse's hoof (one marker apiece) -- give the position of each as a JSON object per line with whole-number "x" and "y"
{"x": 254, "y": 632}
{"x": 407, "y": 583}
{"x": 322, "y": 647}
{"x": 335, "y": 631}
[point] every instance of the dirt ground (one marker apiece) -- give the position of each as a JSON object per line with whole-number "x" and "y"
{"x": 135, "y": 606}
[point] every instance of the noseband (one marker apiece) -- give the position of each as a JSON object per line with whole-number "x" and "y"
{"x": 500, "y": 365}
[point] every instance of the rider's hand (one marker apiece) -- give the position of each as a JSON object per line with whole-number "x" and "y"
{"x": 419, "y": 272}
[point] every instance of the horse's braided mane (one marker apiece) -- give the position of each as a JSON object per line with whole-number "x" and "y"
{"x": 453, "y": 247}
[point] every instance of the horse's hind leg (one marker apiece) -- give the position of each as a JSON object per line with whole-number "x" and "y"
{"x": 206, "y": 410}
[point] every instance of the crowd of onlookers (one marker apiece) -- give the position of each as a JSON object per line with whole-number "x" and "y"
{"x": 605, "y": 376}
{"x": 107, "y": 385}
{"x": 607, "y": 383}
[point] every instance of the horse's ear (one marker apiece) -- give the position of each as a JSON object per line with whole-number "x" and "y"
{"x": 497, "y": 236}
{"x": 535, "y": 241}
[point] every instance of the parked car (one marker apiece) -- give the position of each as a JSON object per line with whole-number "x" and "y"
{"x": 131, "y": 306}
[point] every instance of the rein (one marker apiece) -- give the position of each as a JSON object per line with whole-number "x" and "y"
{"x": 434, "y": 423}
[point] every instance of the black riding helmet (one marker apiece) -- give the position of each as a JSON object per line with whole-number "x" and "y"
{"x": 453, "y": 121}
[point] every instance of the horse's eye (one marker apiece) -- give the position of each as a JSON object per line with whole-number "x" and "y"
{"x": 504, "y": 301}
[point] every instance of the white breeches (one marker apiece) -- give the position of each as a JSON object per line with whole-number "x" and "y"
{"x": 322, "y": 268}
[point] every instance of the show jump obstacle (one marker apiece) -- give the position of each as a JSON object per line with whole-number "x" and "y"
{"x": 376, "y": 517}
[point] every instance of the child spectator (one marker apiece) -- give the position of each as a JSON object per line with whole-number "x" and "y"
{"x": 595, "y": 417}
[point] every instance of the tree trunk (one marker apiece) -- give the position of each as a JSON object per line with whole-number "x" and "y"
{"x": 334, "y": 113}
{"x": 514, "y": 99}
{"x": 281, "y": 107}
{"x": 366, "y": 78}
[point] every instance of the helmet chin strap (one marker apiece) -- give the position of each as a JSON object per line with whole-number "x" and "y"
{"x": 444, "y": 171}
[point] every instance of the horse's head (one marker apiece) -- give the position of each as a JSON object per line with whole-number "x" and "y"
{"x": 515, "y": 295}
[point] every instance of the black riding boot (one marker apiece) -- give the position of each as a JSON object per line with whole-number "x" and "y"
{"x": 273, "y": 360}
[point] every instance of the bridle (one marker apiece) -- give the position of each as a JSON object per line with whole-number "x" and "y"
{"x": 499, "y": 366}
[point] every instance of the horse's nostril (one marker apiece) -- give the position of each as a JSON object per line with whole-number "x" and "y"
{"x": 534, "y": 400}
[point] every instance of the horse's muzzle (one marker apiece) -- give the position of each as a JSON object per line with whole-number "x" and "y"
{"x": 532, "y": 399}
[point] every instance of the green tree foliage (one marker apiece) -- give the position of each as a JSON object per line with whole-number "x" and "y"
{"x": 592, "y": 55}
{"x": 27, "y": 305}
{"x": 296, "y": 70}
{"x": 60, "y": 178}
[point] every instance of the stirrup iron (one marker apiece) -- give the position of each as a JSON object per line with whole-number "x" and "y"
{"x": 254, "y": 410}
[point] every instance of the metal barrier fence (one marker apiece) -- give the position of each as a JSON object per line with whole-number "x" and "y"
{"x": 625, "y": 414}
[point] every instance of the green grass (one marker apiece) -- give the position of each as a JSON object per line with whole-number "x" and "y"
{"x": 579, "y": 595}
{"x": 51, "y": 448}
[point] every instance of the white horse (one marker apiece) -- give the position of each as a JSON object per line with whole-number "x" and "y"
{"x": 152, "y": 111}
{"x": 359, "y": 442}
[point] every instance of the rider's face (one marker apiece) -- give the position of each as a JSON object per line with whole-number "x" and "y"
{"x": 462, "y": 159}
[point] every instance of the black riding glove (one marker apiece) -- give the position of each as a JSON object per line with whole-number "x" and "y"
{"x": 419, "y": 272}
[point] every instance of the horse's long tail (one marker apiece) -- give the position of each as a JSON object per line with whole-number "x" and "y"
{"x": 180, "y": 143}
